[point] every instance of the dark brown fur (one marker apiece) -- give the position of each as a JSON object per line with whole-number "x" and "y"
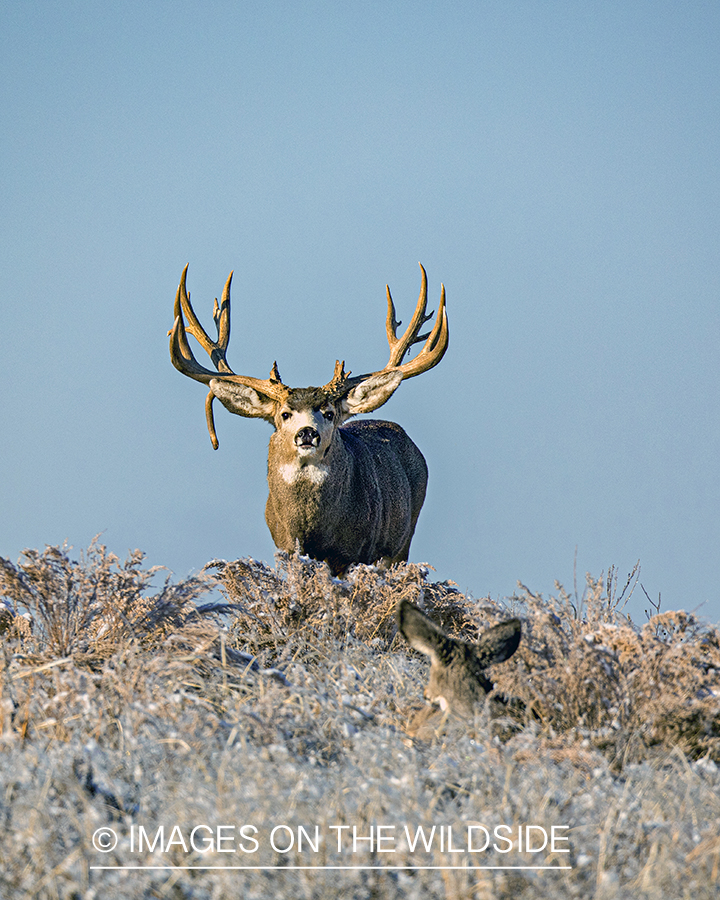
{"x": 367, "y": 507}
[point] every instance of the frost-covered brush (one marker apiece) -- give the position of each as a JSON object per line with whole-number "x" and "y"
{"x": 343, "y": 492}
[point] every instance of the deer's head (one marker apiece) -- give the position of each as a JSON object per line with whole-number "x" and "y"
{"x": 305, "y": 419}
{"x": 458, "y": 676}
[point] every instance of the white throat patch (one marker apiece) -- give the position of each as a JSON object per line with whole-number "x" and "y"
{"x": 292, "y": 472}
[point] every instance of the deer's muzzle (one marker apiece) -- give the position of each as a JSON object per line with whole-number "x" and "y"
{"x": 307, "y": 437}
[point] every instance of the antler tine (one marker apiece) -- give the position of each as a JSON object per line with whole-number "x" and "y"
{"x": 341, "y": 382}
{"x": 435, "y": 345}
{"x": 400, "y": 346}
{"x": 436, "y": 341}
{"x": 221, "y": 318}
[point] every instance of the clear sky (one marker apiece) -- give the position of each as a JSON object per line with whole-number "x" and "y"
{"x": 555, "y": 164}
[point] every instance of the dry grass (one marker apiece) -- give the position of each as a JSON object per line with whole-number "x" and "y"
{"x": 287, "y": 704}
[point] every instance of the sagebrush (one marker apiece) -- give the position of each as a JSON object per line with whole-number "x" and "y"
{"x": 289, "y": 700}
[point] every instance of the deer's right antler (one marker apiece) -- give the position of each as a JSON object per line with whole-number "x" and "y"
{"x": 184, "y": 361}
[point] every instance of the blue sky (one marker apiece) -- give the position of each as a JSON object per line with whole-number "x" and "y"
{"x": 556, "y": 165}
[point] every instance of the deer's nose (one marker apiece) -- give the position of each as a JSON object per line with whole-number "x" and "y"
{"x": 307, "y": 437}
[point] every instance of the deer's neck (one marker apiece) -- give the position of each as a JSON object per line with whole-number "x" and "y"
{"x": 306, "y": 498}
{"x": 289, "y": 473}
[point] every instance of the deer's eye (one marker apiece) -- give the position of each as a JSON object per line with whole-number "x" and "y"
{"x": 329, "y": 415}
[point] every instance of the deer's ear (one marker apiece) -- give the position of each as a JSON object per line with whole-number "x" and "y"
{"x": 420, "y": 632}
{"x": 499, "y": 643}
{"x": 373, "y": 392}
{"x": 243, "y": 400}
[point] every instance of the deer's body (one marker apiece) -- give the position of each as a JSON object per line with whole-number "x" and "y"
{"x": 359, "y": 504}
{"x": 343, "y": 492}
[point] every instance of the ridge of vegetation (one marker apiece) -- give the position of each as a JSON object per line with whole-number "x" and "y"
{"x": 291, "y": 698}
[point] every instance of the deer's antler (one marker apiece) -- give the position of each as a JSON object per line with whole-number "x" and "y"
{"x": 433, "y": 350}
{"x": 436, "y": 341}
{"x": 184, "y": 361}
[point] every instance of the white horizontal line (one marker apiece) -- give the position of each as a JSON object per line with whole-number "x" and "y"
{"x": 353, "y": 868}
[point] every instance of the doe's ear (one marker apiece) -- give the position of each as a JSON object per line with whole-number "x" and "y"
{"x": 373, "y": 392}
{"x": 499, "y": 643}
{"x": 420, "y": 632}
{"x": 243, "y": 400}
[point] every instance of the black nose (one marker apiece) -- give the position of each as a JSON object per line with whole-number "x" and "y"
{"x": 307, "y": 436}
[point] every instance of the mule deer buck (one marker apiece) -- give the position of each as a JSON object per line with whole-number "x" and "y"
{"x": 458, "y": 682}
{"x": 343, "y": 492}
